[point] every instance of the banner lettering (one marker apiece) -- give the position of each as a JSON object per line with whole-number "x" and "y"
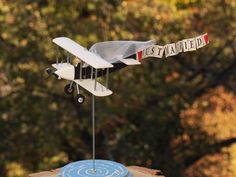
{"x": 172, "y": 49}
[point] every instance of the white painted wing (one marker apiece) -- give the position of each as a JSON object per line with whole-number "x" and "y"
{"x": 89, "y": 85}
{"x": 82, "y": 53}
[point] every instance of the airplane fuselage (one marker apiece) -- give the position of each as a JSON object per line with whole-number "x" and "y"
{"x": 86, "y": 72}
{"x": 72, "y": 72}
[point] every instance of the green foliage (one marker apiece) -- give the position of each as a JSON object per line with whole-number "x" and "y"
{"x": 141, "y": 122}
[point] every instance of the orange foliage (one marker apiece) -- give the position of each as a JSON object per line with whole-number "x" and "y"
{"x": 216, "y": 165}
{"x": 208, "y": 122}
{"x": 215, "y": 113}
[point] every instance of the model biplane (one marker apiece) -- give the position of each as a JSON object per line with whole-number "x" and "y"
{"x": 100, "y": 60}
{"x": 106, "y": 57}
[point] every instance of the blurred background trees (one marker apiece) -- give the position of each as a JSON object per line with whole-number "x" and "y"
{"x": 176, "y": 114}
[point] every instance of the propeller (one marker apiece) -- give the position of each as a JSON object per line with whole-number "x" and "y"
{"x": 50, "y": 72}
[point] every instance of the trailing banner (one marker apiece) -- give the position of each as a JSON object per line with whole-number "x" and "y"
{"x": 172, "y": 49}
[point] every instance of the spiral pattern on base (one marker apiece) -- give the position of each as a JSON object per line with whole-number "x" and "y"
{"x": 104, "y": 168}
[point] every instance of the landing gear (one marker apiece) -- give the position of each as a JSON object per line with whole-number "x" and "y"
{"x": 79, "y": 99}
{"x": 69, "y": 89}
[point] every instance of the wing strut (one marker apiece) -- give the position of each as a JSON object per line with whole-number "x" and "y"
{"x": 107, "y": 78}
{"x": 95, "y": 83}
{"x": 93, "y": 86}
{"x": 91, "y": 72}
{"x": 81, "y": 69}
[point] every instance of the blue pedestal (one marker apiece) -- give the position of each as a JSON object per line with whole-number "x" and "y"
{"x": 104, "y": 168}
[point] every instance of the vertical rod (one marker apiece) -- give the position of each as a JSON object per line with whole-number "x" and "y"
{"x": 93, "y": 117}
{"x": 80, "y": 70}
{"x": 107, "y": 78}
{"x": 91, "y": 72}
{"x": 58, "y": 54}
{"x": 95, "y": 84}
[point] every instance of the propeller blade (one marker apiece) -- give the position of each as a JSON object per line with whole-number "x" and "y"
{"x": 49, "y": 71}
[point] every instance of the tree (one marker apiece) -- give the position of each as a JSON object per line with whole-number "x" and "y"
{"x": 41, "y": 128}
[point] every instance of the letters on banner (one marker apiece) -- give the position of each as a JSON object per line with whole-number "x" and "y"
{"x": 172, "y": 49}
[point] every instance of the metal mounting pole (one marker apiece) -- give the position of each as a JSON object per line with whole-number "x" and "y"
{"x": 93, "y": 117}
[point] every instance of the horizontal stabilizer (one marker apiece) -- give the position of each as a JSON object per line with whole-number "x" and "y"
{"x": 89, "y": 85}
{"x": 129, "y": 61}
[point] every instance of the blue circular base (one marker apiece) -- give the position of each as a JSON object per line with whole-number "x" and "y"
{"x": 104, "y": 168}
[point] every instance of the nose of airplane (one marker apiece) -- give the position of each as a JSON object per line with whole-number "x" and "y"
{"x": 67, "y": 72}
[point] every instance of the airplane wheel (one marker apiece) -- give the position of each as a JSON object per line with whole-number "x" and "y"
{"x": 79, "y": 99}
{"x": 69, "y": 90}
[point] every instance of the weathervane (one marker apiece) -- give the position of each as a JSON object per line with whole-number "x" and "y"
{"x": 100, "y": 60}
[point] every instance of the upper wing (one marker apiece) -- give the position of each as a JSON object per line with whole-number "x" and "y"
{"x": 82, "y": 53}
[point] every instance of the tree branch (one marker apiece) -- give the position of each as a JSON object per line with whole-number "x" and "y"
{"x": 212, "y": 59}
{"x": 212, "y": 149}
{"x": 218, "y": 79}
